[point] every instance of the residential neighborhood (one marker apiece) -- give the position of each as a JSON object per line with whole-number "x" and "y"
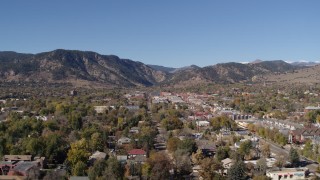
{"x": 183, "y": 134}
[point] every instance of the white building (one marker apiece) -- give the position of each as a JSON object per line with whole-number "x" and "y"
{"x": 100, "y": 109}
{"x": 288, "y": 173}
{"x": 202, "y": 123}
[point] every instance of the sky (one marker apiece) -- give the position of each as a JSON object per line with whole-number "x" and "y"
{"x": 172, "y": 33}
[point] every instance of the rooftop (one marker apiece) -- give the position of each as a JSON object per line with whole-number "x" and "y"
{"x": 137, "y": 152}
{"x": 17, "y": 157}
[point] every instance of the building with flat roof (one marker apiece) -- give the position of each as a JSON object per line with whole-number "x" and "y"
{"x": 288, "y": 173}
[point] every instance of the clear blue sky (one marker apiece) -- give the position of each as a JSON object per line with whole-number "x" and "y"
{"x": 172, "y": 33}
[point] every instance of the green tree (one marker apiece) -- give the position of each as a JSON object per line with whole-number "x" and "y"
{"x": 75, "y": 120}
{"x": 34, "y": 146}
{"x": 188, "y": 144}
{"x": 222, "y": 152}
{"x": 237, "y": 171}
{"x": 55, "y": 148}
{"x": 97, "y": 169}
{"x": 308, "y": 150}
{"x": 114, "y": 170}
{"x": 2, "y": 146}
{"x": 97, "y": 142}
{"x": 294, "y": 157}
{"x": 245, "y": 148}
{"x": 79, "y": 169}
{"x": 172, "y": 123}
{"x": 78, "y": 152}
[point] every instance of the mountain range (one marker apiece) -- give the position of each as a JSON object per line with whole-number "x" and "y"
{"x": 87, "y": 68}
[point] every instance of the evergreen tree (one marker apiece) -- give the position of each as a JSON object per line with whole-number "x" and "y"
{"x": 294, "y": 157}
{"x": 237, "y": 171}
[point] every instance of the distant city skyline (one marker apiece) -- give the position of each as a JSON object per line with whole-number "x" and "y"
{"x": 167, "y": 33}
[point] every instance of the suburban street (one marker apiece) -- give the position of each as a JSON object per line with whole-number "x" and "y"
{"x": 276, "y": 149}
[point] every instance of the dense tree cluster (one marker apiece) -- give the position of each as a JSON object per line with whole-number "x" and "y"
{"x": 272, "y": 134}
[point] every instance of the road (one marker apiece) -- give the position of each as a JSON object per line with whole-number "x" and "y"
{"x": 276, "y": 149}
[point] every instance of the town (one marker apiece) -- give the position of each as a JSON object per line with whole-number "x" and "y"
{"x": 229, "y": 133}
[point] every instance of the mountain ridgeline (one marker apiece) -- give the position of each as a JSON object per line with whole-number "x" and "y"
{"x": 78, "y": 67}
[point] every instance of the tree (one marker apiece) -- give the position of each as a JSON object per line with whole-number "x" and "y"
{"x": 55, "y": 148}
{"x": 280, "y": 160}
{"x": 53, "y": 175}
{"x": 245, "y": 148}
{"x": 78, "y": 152}
{"x": 146, "y": 170}
{"x": 172, "y": 144}
{"x": 188, "y": 144}
{"x": 210, "y": 169}
{"x": 197, "y": 156}
{"x": 262, "y": 165}
{"x": 237, "y": 171}
{"x": 75, "y": 120}
{"x": 2, "y": 146}
{"x": 294, "y": 157}
{"x": 79, "y": 169}
{"x": 34, "y": 146}
{"x": 308, "y": 149}
{"x": 182, "y": 162}
{"x": 97, "y": 142}
{"x": 97, "y": 169}
{"x": 172, "y": 123}
{"x": 265, "y": 150}
{"x": 114, "y": 170}
{"x": 222, "y": 152}
{"x": 160, "y": 166}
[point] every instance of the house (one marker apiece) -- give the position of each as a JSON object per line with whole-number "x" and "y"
{"x": 122, "y": 159}
{"x": 24, "y": 169}
{"x": 301, "y": 135}
{"x": 43, "y": 118}
{"x": 79, "y": 178}
{"x": 6, "y": 166}
{"x": 5, "y": 177}
{"x": 17, "y": 158}
{"x": 241, "y": 133}
{"x": 269, "y": 161}
{"x": 41, "y": 161}
{"x": 227, "y": 163}
{"x": 123, "y": 140}
{"x": 100, "y": 109}
{"x": 223, "y": 134}
{"x": 288, "y": 173}
{"x": 133, "y": 108}
{"x": 195, "y": 172}
{"x": 97, "y": 155}
{"x": 136, "y": 152}
{"x": 134, "y": 130}
{"x": 208, "y": 148}
{"x": 202, "y": 123}
{"x": 138, "y": 159}
{"x": 311, "y": 108}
